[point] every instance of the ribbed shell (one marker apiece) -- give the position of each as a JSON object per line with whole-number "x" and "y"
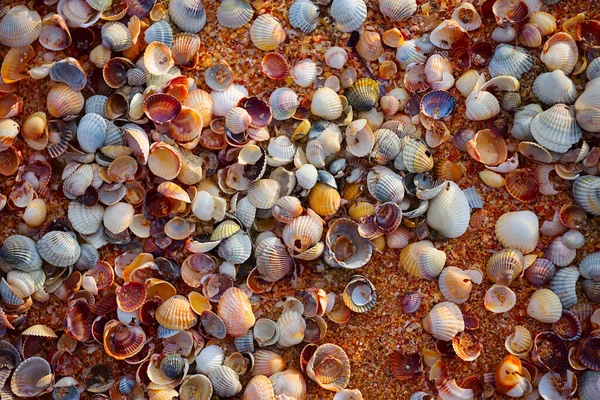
{"x": 444, "y": 321}
{"x": 556, "y": 128}
{"x": 545, "y": 306}
{"x": 554, "y": 87}
{"x": 521, "y": 128}
{"x": 225, "y": 381}
{"x": 188, "y": 15}
{"x": 326, "y": 353}
{"x": 326, "y": 104}
{"x": 226, "y": 100}
{"x": 304, "y": 15}
{"x": 91, "y": 132}
{"x": 20, "y": 27}
{"x": 510, "y": 60}
{"x": 292, "y": 327}
{"x": 416, "y": 156}
{"x": 410, "y": 52}
{"x": 85, "y": 220}
{"x": 589, "y": 385}
{"x": 176, "y": 313}
{"x": 563, "y": 285}
{"x": 236, "y": 249}
{"x": 398, "y": 10}
{"x": 560, "y": 52}
{"x": 236, "y": 312}
{"x": 363, "y": 95}
{"x": 449, "y": 212}
{"x": 209, "y": 358}
{"x": 24, "y": 381}
{"x": 593, "y": 69}
{"x": 21, "y": 253}
{"x": 385, "y": 185}
{"x": 234, "y": 14}
{"x": 267, "y": 33}
{"x": 586, "y": 191}
{"x": 59, "y": 248}
{"x": 259, "y": 388}
{"x": 116, "y": 36}
{"x": 589, "y": 267}
{"x": 349, "y": 15}
{"x": 160, "y": 31}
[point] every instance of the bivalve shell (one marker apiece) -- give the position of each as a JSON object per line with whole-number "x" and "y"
{"x": 444, "y": 321}
{"x": 554, "y": 87}
{"x": 20, "y": 27}
{"x": 518, "y": 230}
{"x": 267, "y": 33}
{"x": 449, "y": 211}
{"x": 349, "y": 15}
{"x": 545, "y": 306}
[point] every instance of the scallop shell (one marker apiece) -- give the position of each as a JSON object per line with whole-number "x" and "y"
{"x": 85, "y": 220}
{"x": 267, "y": 363}
{"x": 369, "y": 46}
{"x": 63, "y": 102}
{"x": 234, "y": 14}
{"x": 518, "y": 230}
{"x": 554, "y": 87}
{"x": 267, "y": 33}
{"x": 91, "y": 132}
{"x": 444, "y": 321}
{"x": 116, "y": 36}
{"x": 409, "y": 53}
{"x": 20, "y": 27}
{"x": 59, "y": 248}
{"x": 398, "y": 10}
{"x": 226, "y": 100}
{"x": 304, "y": 15}
{"x": 349, "y": 15}
{"x": 510, "y": 60}
{"x": 449, "y": 212}
{"x": 560, "y": 52}
{"x": 545, "y": 306}
{"x": 415, "y": 156}
{"x": 259, "y": 387}
{"x": 188, "y": 15}
{"x": 563, "y": 285}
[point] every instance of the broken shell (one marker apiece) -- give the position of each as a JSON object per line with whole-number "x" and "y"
{"x": 520, "y": 342}
{"x": 467, "y": 17}
{"x": 329, "y": 366}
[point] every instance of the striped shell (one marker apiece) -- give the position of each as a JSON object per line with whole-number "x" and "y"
{"x": 59, "y": 248}
{"x": 349, "y": 15}
{"x": 20, "y": 27}
{"x": 234, "y": 14}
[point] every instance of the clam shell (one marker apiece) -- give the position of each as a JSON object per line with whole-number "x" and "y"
{"x": 267, "y": 33}
{"x": 510, "y": 60}
{"x": 481, "y": 105}
{"x": 563, "y": 285}
{"x": 385, "y": 185}
{"x": 522, "y": 122}
{"x": 176, "y": 313}
{"x": 456, "y": 284}
{"x": 226, "y": 100}
{"x": 554, "y": 87}
{"x": 467, "y": 17}
{"x": 116, "y": 36}
{"x": 336, "y": 57}
{"x": 20, "y": 252}
{"x": 545, "y": 306}
{"x": 209, "y": 358}
{"x": 444, "y": 321}
{"x": 520, "y": 342}
{"x": 398, "y": 10}
{"x": 196, "y": 387}
{"x": 409, "y": 53}
{"x": 556, "y": 128}
{"x": 593, "y": 69}
{"x": 586, "y": 191}
{"x": 91, "y": 132}
{"x": 559, "y": 254}
{"x": 415, "y": 156}
{"x": 505, "y": 266}
{"x": 288, "y": 385}
{"x": 589, "y": 384}
{"x": 234, "y": 14}
{"x": 349, "y": 15}
{"x": 25, "y": 379}
{"x": 304, "y": 15}
{"x": 499, "y": 299}
{"x": 236, "y": 311}
{"x": 118, "y": 217}
{"x": 236, "y": 249}
{"x": 63, "y": 102}
{"x": 540, "y": 272}
{"x": 291, "y": 326}
{"x": 267, "y": 363}
{"x": 326, "y": 104}
{"x": 225, "y": 381}
{"x": 560, "y": 52}
{"x": 259, "y": 387}
{"x": 518, "y": 230}
{"x": 85, "y": 220}
{"x": 573, "y": 239}
{"x": 305, "y": 72}
{"x": 589, "y": 267}
{"x": 160, "y": 31}
{"x": 449, "y": 212}
{"x": 446, "y": 33}
{"x": 369, "y": 46}
{"x": 361, "y": 249}
{"x": 59, "y": 248}
{"x": 188, "y": 15}
{"x": 363, "y": 95}
{"x": 24, "y": 284}
{"x": 20, "y": 27}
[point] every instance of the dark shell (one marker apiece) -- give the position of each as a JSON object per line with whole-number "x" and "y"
{"x": 411, "y": 302}
{"x": 568, "y": 326}
{"x": 550, "y": 352}
{"x": 540, "y": 273}
{"x": 388, "y": 217}
{"x": 591, "y": 289}
{"x": 573, "y": 216}
{"x": 172, "y": 366}
{"x": 522, "y": 185}
{"x": 140, "y": 8}
{"x": 363, "y": 95}
{"x": 437, "y": 104}
{"x": 213, "y": 325}
{"x": 589, "y": 351}
{"x": 161, "y": 107}
{"x": 405, "y": 367}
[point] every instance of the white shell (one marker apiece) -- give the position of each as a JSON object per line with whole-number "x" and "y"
{"x": 518, "y": 230}
{"x": 20, "y": 27}
{"x": 554, "y": 87}
{"x": 188, "y": 15}
{"x": 118, "y": 217}
{"x": 304, "y": 72}
{"x": 226, "y": 100}
{"x": 449, "y": 212}
{"x": 349, "y": 15}
{"x": 556, "y": 128}
{"x": 444, "y": 321}
{"x": 336, "y": 57}
{"x": 326, "y": 104}
{"x": 481, "y": 105}
{"x": 209, "y": 358}
{"x": 545, "y": 306}
{"x": 397, "y": 10}
{"x": 304, "y": 15}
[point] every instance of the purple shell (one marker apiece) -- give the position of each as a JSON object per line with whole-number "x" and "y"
{"x": 411, "y": 302}
{"x": 540, "y": 272}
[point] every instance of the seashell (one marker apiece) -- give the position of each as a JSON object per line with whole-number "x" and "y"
{"x": 437, "y": 104}
{"x": 78, "y": 13}
{"x": 520, "y": 342}
{"x": 91, "y": 132}
{"x": 160, "y": 31}
{"x": 158, "y": 59}
{"x": 469, "y": 82}
{"x": 481, "y": 105}
{"x": 507, "y": 12}
{"x": 63, "y": 102}
{"x": 116, "y": 36}
{"x": 563, "y": 285}
{"x": 35, "y": 213}
{"x": 456, "y": 284}
{"x": 267, "y": 33}
{"x": 444, "y": 321}
{"x": 115, "y": 71}
{"x": 237, "y": 120}
{"x": 267, "y": 363}
{"x": 411, "y": 302}
{"x": 118, "y": 217}
{"x": 59, "y": 248}
{"x": 225, "y": 381}
{"x": 449, "y": 212}
{"x": 304, "y": 73}
{"x": 540, "y": 272}
{"x": 360, "y": 294}
{"x": 558, "y": 253}
{"x": 291, "y": 326}
{"x": 226, "y": 100}
{"x": 560, "y": 52}
{"x": 236, "y": 312}
{"x": 188, "y": 15}
{"x": 25, "y": 381}
{"x": 409, "y": 53}
{"x": 288, "y": 385}
{"x": 349, "y": 15}
{"x": 196, "y": 387}
{"x": 161, "y": 108}
{"x": 209, "y": 358}
{"x": 509, "y": 377}
{"x": 547, "y": 386}
{"x": 20, "y": 252}
{"x": 13, "y": 65}
{"x": 234, "y": 14}
{"x": 344, "y": 247}
{"x": 386, "y": 147}
{"x": 522, "y": 185}
{"x": 176, "y": 313}
{"x": 304, "y": 15}
{"x": 505, "y": 266}
{"x": 275, "y": 66}
{"x": 522, "y": 122}
{"x": 545, "y": 306}
{"x": 447, "y": 33}
{"x": 545, "y": 22}
{"x": 518, "y": 230}
{"x": 556, "y": 347}
{"x": 85, "y": 220}
{"x": 398, "y": 10}
{"x": 329, "y": 366}
{"x": 554, "y": 87}
{"x": 530, "y": 36}
{"x": 588, "y": 385}
{"x": 467, "y": 17}
{"x": 326, "y": 104}
{"x": 100, "y": 55}
{"x": 467, "y": 346}
{"x": 585, "y": 192}
{"x": 593, "y": 70}
{"x": 573, "y": 239}
{"x": 369, "y": 46}
{"x": 336, "y": 57}
{"x": 184, "y": 50}
{"x": 416, "y": 157}
{"x": 510, "y": 60}
{"x": 88, "y": 258}
{"x": 202, "y": 102}
{"x": 20, "y": 27}
{"x": 259, "y": 387}
{"x": 504, "y": 34}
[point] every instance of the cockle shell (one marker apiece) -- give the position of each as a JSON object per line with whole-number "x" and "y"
{"x": 560, "y": 52}
{"x": 518, "y": 230}
{"x": 398, "y": 10}
{"x": 554, "y": 87}
{"x": 349, "y": 15}
{"x": 556, "y": 128}
{"x": 444, "y": 321}
{"x": 467, "y": 17}
{"x": 545, "y": 306}
{"x": 456, "y": 284}
{"x": 234, "y": 14}
{"x": 236, "y": 312}
{"x": 188, "y": 15}
{"x": 563, "y": 285}
{"x": 326, "y": 104}
{"x": 267, "y": 33}
{"x": 510, "y": 60}
{"x": 304, "y": 15}
{"x": 449, "y": 211}
{"x": 20, "y": 27}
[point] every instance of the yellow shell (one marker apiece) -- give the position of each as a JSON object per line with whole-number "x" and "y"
{"x": 361, "y": 209}
{"x": 176, "y": 313}
{"x": 324, "y": 200}
{"x": 64, "y": 102}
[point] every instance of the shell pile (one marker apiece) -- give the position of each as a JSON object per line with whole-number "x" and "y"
{"x": 160, "y": 198}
